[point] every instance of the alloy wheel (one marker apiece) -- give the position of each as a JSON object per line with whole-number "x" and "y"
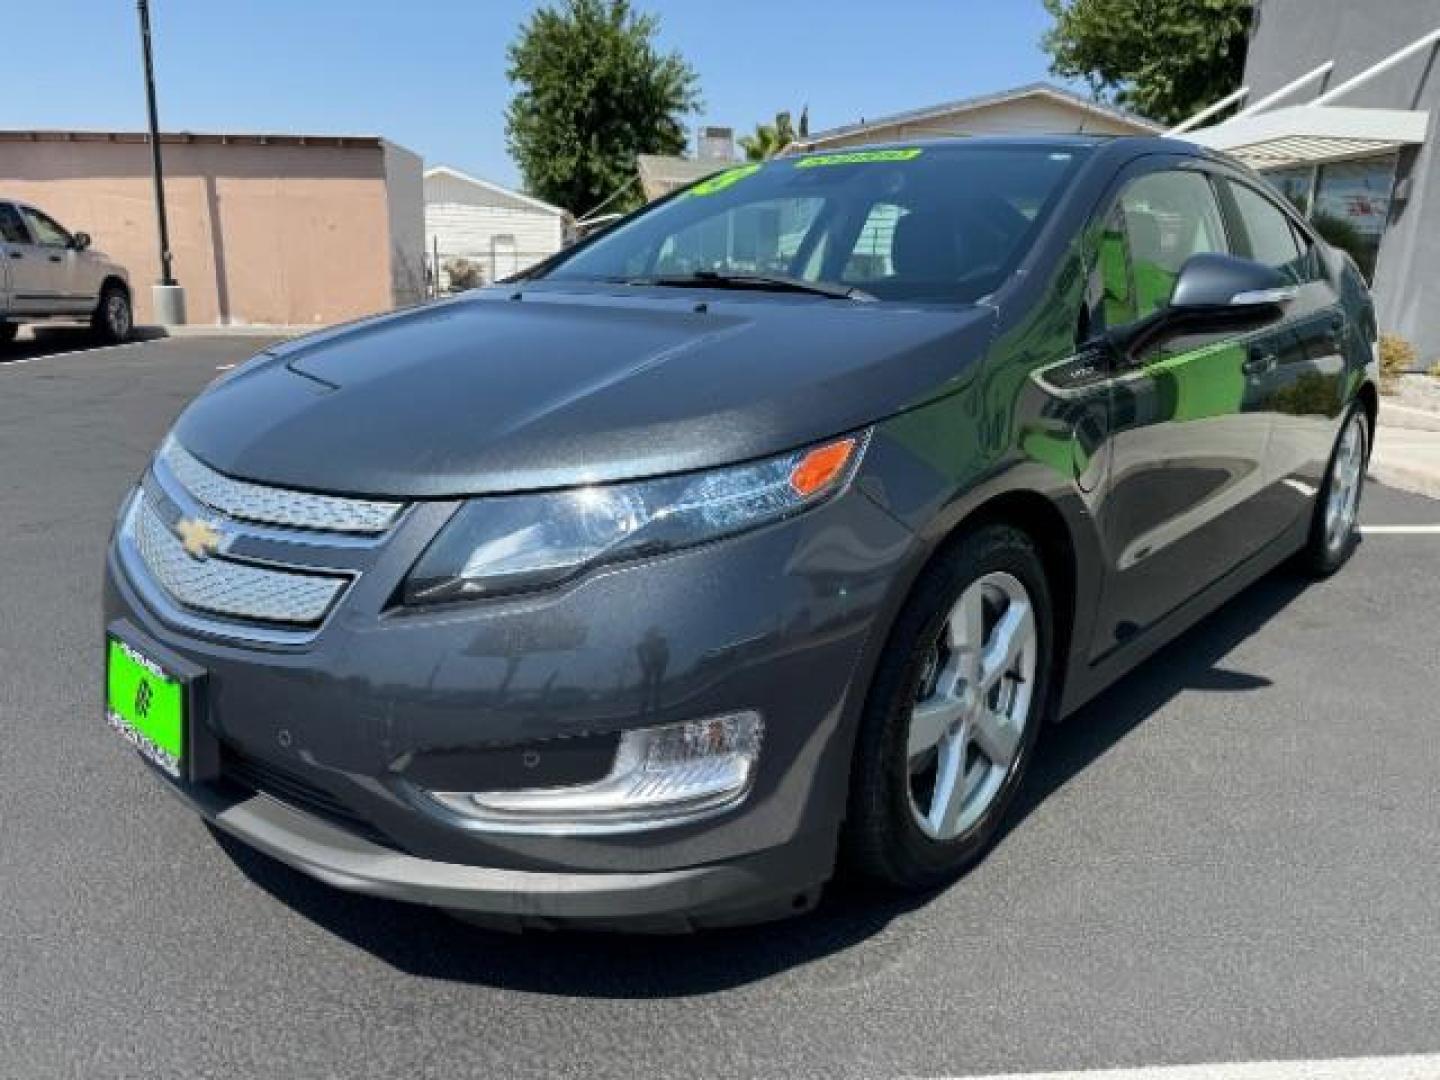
{"x": 1347, "y": 475}
{"x": 968, "y": 723}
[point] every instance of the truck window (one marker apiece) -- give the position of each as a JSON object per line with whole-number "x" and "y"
{"x": 46, "y": 230}
{"x": 12, "y": 229}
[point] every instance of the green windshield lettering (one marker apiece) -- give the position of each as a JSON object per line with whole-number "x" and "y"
{"x": 859, "y": 157}
{"x": 720, "y": 181}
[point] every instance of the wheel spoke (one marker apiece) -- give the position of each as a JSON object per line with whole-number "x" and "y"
{"x": 949, "y": 798}
{"x": 1011, "y": 635}
{"x": 966, "y": 634}
{"x": 930, "y": 722}
{"x": 997, "y": 738}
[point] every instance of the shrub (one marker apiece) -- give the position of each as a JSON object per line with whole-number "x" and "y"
{"x": 1397, "y": 356}
{"x": 464, "y": 274}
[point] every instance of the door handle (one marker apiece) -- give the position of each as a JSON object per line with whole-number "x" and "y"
{"x": 1258, "y": 363}
{"x": 17, "y": 254}
{"x": 55, "y": 258}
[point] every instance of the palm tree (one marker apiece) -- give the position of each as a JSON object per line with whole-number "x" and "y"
{"x": 769, "y": 139}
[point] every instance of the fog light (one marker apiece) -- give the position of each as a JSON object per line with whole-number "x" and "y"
{"x": 662, "y": 776}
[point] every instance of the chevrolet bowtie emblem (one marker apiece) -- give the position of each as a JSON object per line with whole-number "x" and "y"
{"x": 199, "y": 538}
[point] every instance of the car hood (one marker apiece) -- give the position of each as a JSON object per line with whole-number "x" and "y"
{"x": 492, "y": 393}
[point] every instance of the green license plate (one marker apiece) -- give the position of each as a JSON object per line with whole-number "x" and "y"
{"x": 145, "y": 704}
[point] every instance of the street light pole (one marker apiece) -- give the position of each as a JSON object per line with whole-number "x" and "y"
{"x": 169, "y": 297}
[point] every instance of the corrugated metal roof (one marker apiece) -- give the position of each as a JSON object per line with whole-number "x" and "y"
{"x": 1311, "y": 134}
{"x": 213, "y": 138}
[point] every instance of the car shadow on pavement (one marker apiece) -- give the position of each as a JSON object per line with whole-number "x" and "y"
{"x": 573, "y": 964}
{"x": 51, "y": 340}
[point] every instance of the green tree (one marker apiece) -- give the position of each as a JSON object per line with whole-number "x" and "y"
{"x": 592, "y": 92}
{"x": 1165, "y": 59}
{"x": 769, "y": 139}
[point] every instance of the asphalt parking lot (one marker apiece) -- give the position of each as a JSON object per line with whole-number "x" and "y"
{"x": 1230, "y": 856}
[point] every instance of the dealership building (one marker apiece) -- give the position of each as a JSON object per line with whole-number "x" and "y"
{"x": 1339, "y": 109}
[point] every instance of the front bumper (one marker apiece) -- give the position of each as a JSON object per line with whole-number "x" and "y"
{"x": 779, "y": 621}
{"x": 768, "y": 886}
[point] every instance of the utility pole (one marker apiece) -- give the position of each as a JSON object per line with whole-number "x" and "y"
{"x": 169, "y": 297}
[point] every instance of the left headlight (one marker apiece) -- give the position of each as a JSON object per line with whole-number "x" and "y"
{"x": 514, "y": 543}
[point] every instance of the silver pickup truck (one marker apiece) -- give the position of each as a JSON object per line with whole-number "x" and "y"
{"x": 46, "y": 272}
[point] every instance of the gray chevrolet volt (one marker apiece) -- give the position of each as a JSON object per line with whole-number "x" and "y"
{"x": 757, "y": 535}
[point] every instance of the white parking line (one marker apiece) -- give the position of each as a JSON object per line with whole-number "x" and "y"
{"x": 1400, "y": 530}
{"x": 1413, "y": 1067}
{"x": 20, "y": 361}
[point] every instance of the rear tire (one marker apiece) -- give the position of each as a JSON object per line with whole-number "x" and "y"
{"x": 959, "y": 679}
{"x": 114, "y": 319}
{"x": 1333, "y": 531}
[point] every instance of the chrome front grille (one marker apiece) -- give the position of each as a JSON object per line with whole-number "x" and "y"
{"x": 217, "y": 586}
{"x": 245, "y": 501}
{"x": 245, "y": 560}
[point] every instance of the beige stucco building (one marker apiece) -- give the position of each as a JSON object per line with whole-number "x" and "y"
{"x": 264, "y": 229}
{"x": 1034, "y": 109}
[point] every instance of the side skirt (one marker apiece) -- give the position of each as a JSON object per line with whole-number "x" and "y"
{"x": 1085, "y": 682}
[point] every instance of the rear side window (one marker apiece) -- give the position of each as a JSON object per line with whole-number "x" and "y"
{"x": 12, "y": 229}
{"x": 1161, "y": 220}
{"x": 1269, "y": 236}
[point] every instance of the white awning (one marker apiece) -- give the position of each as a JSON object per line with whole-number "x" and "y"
{"x": 1313, "y": 134}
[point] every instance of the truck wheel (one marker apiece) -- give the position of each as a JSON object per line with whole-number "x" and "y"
{"x": 8, "y": 330}
{"x": 113, "y": 319}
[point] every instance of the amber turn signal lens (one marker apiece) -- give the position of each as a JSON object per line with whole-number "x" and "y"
{"x": 822, "y": 466}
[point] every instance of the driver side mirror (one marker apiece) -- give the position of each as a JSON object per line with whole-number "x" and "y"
{"x": 80, "y": 241}
{"x": 1222, "y": 283}
{"x": 1213, "y": 294}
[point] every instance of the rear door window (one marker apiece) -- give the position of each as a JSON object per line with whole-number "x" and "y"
{"x": 12, "y": 228}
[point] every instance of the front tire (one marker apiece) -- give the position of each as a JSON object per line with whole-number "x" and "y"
{"x": 8, "y": 330}
{"x": 953, "y": 713}
{"x": 114, "y": 319}
{"x": 1333, "y": 532}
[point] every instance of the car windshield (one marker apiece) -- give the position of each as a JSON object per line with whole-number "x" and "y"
{"x": 918, "y": 223}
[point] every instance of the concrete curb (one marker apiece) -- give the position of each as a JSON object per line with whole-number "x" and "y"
{"x": 1405, "y": 477}
{"x": 1408, "y": 417}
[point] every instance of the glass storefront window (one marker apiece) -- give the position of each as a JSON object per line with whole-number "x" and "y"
{"x": 1348, "y": 202}
{"x": 1352, "y": 206}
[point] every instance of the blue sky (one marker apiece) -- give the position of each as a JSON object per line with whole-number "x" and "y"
{"x": 430, "y": 74}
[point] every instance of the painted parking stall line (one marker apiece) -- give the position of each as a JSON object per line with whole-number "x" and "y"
{"x": 1400, "y": 530}
{"x": 1409, "y": 1067}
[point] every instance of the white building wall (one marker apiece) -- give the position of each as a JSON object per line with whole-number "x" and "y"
{"x": 465, "y": 230}
{"x": 501, "y": 232}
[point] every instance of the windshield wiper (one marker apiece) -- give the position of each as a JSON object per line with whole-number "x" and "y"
{"x": 726, "y": 279}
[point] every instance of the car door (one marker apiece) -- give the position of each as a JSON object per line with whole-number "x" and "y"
{"x": 31, "y": 276}
{"x": 61, "y": 260}
{"x": 1185, "y": 497}
{"x": 1305, "y": 390}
